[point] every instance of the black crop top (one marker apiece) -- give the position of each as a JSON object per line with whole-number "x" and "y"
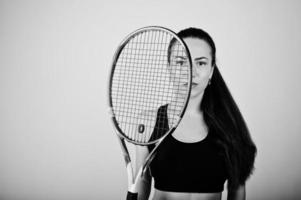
{"x": 188, "y": 167}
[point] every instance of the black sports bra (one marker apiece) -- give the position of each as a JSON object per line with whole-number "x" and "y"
{"x": 188, "y": 167}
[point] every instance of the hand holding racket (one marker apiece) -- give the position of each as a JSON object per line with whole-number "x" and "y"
{"x": 151, "y": 68}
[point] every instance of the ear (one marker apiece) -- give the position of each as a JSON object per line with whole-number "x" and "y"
{"x": 211, "y": 71}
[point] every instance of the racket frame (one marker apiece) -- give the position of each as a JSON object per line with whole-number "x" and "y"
{"x": 133, "y": 180}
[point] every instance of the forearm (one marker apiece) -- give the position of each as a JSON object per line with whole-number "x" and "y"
{"x": 144, "y": 188}
{"x": 144, "y": 185}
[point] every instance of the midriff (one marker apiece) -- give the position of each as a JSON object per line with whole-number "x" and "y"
{"x": 164, "y": 195}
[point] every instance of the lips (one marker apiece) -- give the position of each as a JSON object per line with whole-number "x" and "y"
{"x": 192, "y": 84}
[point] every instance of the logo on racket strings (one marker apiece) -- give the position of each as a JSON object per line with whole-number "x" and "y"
{"x": 141, "y": 128}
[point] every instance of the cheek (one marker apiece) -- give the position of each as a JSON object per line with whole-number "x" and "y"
{"x": 203, "y": 76}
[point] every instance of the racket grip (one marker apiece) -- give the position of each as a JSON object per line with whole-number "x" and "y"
{"x": 132, "y": 196}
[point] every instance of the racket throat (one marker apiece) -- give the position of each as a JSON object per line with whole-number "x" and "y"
{"x": 133, "y": 183}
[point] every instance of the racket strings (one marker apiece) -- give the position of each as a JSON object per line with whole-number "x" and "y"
{"x": 143, "y": 81}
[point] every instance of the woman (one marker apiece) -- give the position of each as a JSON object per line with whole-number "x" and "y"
{"x": 212, "y": 143}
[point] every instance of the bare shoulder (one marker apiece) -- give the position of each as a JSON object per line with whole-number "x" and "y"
{"x": 237, "y": 194}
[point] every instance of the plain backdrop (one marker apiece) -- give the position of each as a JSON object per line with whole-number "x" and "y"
{"x": 57, "y": 141}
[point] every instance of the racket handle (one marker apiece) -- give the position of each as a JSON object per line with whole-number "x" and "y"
{"x": 132, "y": 196}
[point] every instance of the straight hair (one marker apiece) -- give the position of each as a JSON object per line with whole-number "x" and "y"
{"x": 223, "y": 117}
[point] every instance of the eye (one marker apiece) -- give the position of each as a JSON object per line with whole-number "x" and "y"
{"x": 201, "y": 63}
{"x": 180, "y": 62}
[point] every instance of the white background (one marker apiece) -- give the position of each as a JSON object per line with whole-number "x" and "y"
{"x": 56, "y": 139}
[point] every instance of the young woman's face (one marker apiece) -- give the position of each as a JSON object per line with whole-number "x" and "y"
{"x": 202, "y": 68}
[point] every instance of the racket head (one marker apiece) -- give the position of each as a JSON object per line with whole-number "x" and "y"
{"x": 145, "y": 76}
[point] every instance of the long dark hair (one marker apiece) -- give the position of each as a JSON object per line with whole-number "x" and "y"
{"x": 222, "y": 115}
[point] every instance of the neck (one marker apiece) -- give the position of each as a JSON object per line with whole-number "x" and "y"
{"x": 193, "y": 106}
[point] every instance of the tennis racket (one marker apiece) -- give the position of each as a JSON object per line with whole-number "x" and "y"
{"x": 151, "y": 69}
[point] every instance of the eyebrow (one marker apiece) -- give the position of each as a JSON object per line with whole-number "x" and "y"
{"x": 200, "y": 58}
{"x": 181, "y": 57}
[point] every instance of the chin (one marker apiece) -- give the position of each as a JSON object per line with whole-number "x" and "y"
{"x": 196, "y": 92}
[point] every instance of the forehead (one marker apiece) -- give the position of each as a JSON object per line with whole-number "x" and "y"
{"x": 198, "y": 48}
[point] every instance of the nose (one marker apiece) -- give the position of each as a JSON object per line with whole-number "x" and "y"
{"x": 194, "y": 71}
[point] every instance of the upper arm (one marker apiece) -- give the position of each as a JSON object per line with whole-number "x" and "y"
{"x": 237, "y": 194}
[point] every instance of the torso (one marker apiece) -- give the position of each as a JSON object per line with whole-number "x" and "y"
{"x": 195, "y": 134}
{"x": 198, "y": 132}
